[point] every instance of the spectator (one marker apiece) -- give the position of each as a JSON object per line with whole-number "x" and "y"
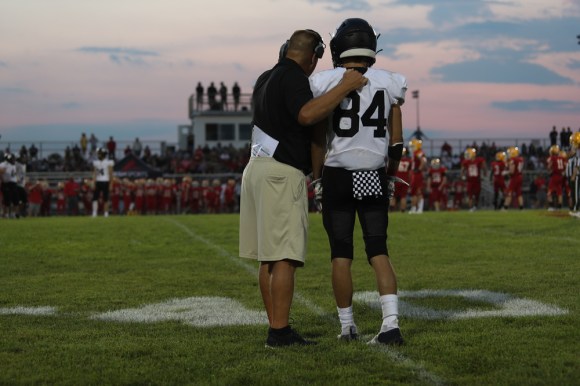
{"x": 236, "y": 91}
{"x": 199, "y": 96}
{"x": 563, "y": 137}
{"x": 111, "y": 147}
{"x": 553, "y": 136}
{"x": 446, "y": 149}
{"x": 137, "y": 147}
{"x": 33, "y": 152}
{"x": 211, "y": 95}
{"x": 84, "y": 143}
{"x": 94, "y": 142}
{"x": 223, "y": 96}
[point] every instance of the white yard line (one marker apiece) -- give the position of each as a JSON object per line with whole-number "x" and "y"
{"x": 392, "y": 353}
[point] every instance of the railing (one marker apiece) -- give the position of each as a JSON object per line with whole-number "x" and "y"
{"x": 198, "y": 104}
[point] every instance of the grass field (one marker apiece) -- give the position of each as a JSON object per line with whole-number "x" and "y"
{"x": 487, "y": 298}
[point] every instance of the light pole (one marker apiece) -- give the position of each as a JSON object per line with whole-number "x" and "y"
{"x": 415, "y": 95}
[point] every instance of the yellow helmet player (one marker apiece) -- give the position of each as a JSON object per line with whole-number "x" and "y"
{"x": 500, "y": 156}
{"x": 415, "y": 144}
{"x": 470, "y": 153}
{"x": 513, "y": 151}
{"x": 554, "y": 150}
{"x": 575, "y": 140}
{"x": 435, "y": 163}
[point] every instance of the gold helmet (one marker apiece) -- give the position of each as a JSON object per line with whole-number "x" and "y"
{"x": 513, "y": 151}
{"x": 470, "y": 153}
{"x": 575, "y": 140}
{"x": 554, "y": 150}
{"x": 435, "y": 163}
{"x": 415, "y": 144}
{"x": 500, "y": 156}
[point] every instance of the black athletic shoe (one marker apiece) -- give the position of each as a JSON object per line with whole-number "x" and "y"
{"x": 287, "y": 339}
{"x": 392, "y": 337}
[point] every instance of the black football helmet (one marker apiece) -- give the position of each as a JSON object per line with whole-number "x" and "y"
{"x": 354, "y": 37}
{"x": 9, "y": 157}
{"x": 101, "y": 153}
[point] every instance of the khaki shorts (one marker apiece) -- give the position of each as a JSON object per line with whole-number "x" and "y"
{"x": 273, "y": 211}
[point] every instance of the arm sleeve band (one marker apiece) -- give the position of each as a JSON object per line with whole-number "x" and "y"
{"x": 396, "y": 151}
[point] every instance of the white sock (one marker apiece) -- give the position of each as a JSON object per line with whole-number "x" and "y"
{"x": 95, "y": 207}
{"x": 390, "y": 307}
{"x": 346, "y": 319}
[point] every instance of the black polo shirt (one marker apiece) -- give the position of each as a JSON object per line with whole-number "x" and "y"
{"x": 278, "y": 96}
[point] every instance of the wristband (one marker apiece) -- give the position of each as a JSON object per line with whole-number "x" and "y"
{"x": 395, "y": 151}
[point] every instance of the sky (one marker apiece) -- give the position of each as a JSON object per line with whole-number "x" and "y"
{"x": 126, "y": 68}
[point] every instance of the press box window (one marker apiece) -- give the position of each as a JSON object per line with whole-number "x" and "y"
{"x": 245, "y": 132}
{"x": 219, "y": 132}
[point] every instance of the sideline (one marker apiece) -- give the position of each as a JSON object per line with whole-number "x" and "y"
{"x": 392, "y": 353}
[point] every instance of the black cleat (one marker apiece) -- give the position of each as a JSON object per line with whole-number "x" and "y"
{"x": 287, "y": 339}
{"x": 392, "y": 337}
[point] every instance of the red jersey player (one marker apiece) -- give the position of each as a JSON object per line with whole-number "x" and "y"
{"x": 556, "y": 167}
{"x": 401, "y": 190}
{"x": 498, "y": 172}
{"x": 436, "y": 182}
{"x": 472, "y": 168}
{"x": 515, "y": 169}
{"x": 418, "y": 166}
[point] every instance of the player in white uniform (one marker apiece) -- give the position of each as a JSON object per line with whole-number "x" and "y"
{"x": 354, "y": 177}
{"x": 9, "y": 175}
{"x": 102, "y": 178}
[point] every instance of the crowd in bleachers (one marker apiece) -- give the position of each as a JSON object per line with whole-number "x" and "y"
{"x": 169, "y": 195}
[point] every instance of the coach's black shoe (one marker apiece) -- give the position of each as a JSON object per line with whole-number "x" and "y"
{"x": 288, "y": 337}
{"x": 392, "y": 337}
{"x": 350, "y": 336}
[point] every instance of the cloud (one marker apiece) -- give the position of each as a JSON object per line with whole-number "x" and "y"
{"x": 14, "y": 90}
{"x": 499, "y": 71}
{"x": 121, "y": 55}
{"x": 538, "y": 105}
{"x": 344, "y": 5}
{"x": 3, "y": 64}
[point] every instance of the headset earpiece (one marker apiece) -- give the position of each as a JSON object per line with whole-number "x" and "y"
{"x": 319, "y": 49}
{"x": 283, "y": 50}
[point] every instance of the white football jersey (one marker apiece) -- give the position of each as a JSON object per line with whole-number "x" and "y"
{"x": 357, "y": 135}
{"x": 9, "y": 174}
{"x": 102, "y": 168}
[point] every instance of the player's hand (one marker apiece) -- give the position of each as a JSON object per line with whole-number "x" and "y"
{"x": 353, "y": 79}
{"x": 391, "y": 185}
{"x": 317, "y": 185}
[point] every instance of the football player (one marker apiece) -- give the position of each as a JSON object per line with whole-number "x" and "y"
{"x": 436, "y": 183}
{"x": 472, "y": 169}
{"x": 418, "y": 167}
{"x": 498, "y": 172}
{"x": 365, "y": 128}
{"x": 102, "y": 178}
{"x": 556, "y": 167}
{"x": 515, "y": 170}
{"x": 401, "y": 190}
{"x": 573, "y": 173}
{"x": 8, "y": 175}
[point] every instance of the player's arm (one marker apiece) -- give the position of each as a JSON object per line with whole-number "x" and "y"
{"x": 318, "y": 148}
{"x": 110, "y": 174}
{"x": 320, "y": 107}
{"x": 395, "y": 150}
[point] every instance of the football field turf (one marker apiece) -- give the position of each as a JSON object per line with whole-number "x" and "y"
{"x": 488, "y": 298}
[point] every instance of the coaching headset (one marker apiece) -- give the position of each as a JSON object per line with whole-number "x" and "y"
{"x": 318, "y": 50}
